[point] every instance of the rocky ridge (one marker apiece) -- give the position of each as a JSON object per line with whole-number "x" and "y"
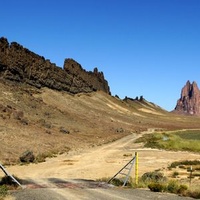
{"x": 189, "y": 102}
{"x": 20, "y": 64}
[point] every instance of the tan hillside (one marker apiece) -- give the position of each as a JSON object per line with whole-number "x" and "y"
{"x": 48, "y": 122}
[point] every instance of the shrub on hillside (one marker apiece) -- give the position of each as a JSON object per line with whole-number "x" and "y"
{"x": 194, "y": 194}
{"x": 153, "y": 177}
{"x": 156, "y": 187}
{"x": 182, "y": 189}
{"x": 173, "y": 187}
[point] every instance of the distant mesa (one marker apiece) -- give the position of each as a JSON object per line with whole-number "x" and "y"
{"x": 189, "y": 102}
{"x": 20, "y": 64}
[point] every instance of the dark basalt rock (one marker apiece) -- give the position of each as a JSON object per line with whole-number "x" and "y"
{"x": 20, "y": 64}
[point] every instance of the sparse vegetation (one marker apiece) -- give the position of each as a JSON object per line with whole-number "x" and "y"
{"x": 179, "y": 141}
{"x": 183, "y": 164}
{"x": 193, "y": 193}
{"x": 175, "y": 174}
{"x": 118, "y": 181}
{"x": 3, "y": 191}
{"x": 6, "y": 184}
{"x": 128, "y": 155}
{"x": 7, "y": 180}
{"x": 155, "y": 176}
{"x": 167, "y": 185}
{"x": 42, "y": 156}
{"x": 156, "y": 187}
{"x": 172, "y": 186}
{"x": 157, "y": 182}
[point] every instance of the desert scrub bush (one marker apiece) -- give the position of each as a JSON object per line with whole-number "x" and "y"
{"x": 182, "y": 167}
{"x": 42, "y": 156}
{"x": 184, "y": 162}
{"x": 127, "y": 154}
{"x": 8, "y": 181}
{"x": 156, "y": 187}
{"x": 175, "y": 174}
{"x": 150, "y": 140}
{"x": 193, "y": 193}
{"x": 141, "y": 183}
{"x": 117, "y": 181}
{"x": 182, "y": 190}
{"x": 120, "y": 181}
{"x": 149, "y": 177}
{"x": 155, "y": 181}
{"x": 104, "y": 179}
{"x": 196, "y": 174}
{"x": 172, "y": 187}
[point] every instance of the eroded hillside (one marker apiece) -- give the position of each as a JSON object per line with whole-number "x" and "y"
{"x": 48, "y": 121}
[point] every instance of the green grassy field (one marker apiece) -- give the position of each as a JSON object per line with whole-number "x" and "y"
{"x": 189, "y": 134}
{"x": 187, "y": 140}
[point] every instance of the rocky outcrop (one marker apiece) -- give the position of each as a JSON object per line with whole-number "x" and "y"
{"x": 94, "y": 79}
{"x": 189, "y": 102}
{"x": 27, "y": 157}
{"x": 20, "y": 64}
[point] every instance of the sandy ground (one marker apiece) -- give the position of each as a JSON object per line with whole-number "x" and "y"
{"x": 102, "y": 161}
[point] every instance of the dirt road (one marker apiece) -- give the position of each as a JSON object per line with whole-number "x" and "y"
{"x": 95, "y": 163}
{"x": 102, "y": 161}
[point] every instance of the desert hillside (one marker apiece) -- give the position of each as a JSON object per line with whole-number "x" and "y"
{"x": 51, "y": 110}
{"x": 49, "y": 122}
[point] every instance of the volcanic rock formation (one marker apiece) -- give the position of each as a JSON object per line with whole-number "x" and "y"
{"x": 189, "y": 102}
{"x": 20, "y": 64}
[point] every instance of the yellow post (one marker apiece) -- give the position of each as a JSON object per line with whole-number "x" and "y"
{"x": 136, "y": 168}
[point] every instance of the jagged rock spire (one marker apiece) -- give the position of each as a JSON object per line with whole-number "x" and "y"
{"x": 189, "y": 102}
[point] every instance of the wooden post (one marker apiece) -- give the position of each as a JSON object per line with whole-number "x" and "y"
{"x": 190, "y": 175}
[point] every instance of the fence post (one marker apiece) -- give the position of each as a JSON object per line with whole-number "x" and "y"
{"x": 136, "y": 168}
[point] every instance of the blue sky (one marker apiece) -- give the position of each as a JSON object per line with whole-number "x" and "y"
{"x": 143, "y": 47}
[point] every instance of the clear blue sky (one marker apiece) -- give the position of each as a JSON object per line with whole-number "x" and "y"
{"x": 144, "y": 47}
